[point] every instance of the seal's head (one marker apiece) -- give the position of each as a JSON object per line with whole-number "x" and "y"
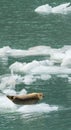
{"x": 39, "y": 95}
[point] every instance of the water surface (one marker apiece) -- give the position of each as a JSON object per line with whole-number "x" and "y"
{"x": 35, "y": 56}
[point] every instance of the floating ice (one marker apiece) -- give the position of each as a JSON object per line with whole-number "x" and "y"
{"x": 13, "y": 92}
{"x": 35, "y": 51}
{"x": 47, "y": 9}
{"x": 23, "y": 91}
{"x": 4, "y": 51}
{"x": 57, "y": 57}
{"x": 28, "y": 79}
{"x": 57, "y": 61}
{"x": 19, "y": 67}
{"x": 6, "y": 104}
{"x": 44, "y": 9}
{"x": 38, "y": 50}
{"x": 40, "y": 108}
{"x": 67, "y": 59}
{"x": 9, "y": 81}
{"x": 9, "y": 92}
{"x": 63, "y": 8}
{"x": 40, "y": 69}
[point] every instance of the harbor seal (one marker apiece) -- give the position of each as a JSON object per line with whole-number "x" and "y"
{"x": 27, "y": 99}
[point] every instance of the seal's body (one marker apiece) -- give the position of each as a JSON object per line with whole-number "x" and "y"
{"x": 27, "y": 99}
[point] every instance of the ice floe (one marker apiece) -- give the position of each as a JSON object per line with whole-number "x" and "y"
{"x": 59, "y": 9}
